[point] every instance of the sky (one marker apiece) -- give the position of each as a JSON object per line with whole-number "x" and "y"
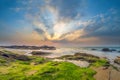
{"x": 60, "y": 22}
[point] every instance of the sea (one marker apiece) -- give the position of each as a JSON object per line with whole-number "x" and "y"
{"x": 110, "y": 55}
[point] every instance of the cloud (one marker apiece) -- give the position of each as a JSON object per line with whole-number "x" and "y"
{"x": 68, "y": 8}
{"x": 105, "y": 25}
{"x": 62, "y": 21}
{"x": 53, "y": 18}
{"x": 101, "y": 29}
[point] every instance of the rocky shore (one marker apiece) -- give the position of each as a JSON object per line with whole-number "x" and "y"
{"x": 98, "y": 67}
{"x": 11, "y": 56}
{"x": 107, "y": 50}
{"x": 30, "y": 47}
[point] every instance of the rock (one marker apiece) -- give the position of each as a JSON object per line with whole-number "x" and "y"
{"x": 85, "y": 55}
{"x": 106, "y": 74}
{"x": 93, "y": 49}
{"x": 117, "y": 60}
{"x": 118, "y": 56}
{"x": 48, "y": 47}
{"x": 22, "y": 58}
{"x": 107, "y": 65}
{"x": 30, "y": 47}
{"x": 40, "y": 53}
{"x": 106, "y": 49}
{"x": 80, "y": 56}
{"x": 14, "y": 56}
{"x": 119, "y": 51}
{"x": 113, "y": 49}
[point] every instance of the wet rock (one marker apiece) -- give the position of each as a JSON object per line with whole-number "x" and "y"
{"x": 107, "y": 65}
{"x": 30, "y": 47}
{"x": 117, "y": 60}
{"x": 85, "y": 55}
{"x": 93, "y": 49}
{"x": 48, "y": 47}
{"x": 22, "y": 58}
{"x": 40, "y": 53}
{"x": 14, "y": 56}
{"x": 119, "y": 51}
{"x": 80, "y": 56}
{"x": 106, "y": 50}
{"x": 113, "y": 49}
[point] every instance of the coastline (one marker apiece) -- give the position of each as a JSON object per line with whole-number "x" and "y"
{"x": 94, "y": 60}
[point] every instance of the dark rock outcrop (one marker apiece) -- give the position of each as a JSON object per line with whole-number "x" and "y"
{"x": 113, "y": 50}
{"x": 14, "y": 56}
{"x": 40, "y": 53}
{"x": 93, "y": 49}
{"x": 31, "y": 47}
{"x": 48, "y": 47}
{"x": 106, "y": 50}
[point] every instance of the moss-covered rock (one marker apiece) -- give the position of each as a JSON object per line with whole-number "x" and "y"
{"x": 46, "y": 71}
{"x": 42, "y": 69}
{"x": 81, "y": 56}
{"x": 10, "y": 55}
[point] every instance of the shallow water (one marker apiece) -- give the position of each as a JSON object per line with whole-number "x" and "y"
{"x": 76, "y": 62}
{"x": 70, "y": 51}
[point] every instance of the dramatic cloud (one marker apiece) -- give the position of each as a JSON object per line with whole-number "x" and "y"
{"x": 53, "y": 19}
{"x": 104, "y": 25}
{"x": 62, "y": 21}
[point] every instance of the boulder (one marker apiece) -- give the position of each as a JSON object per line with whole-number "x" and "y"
{"x": 106, "y": 49}
{"x": 117, "y": 60}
